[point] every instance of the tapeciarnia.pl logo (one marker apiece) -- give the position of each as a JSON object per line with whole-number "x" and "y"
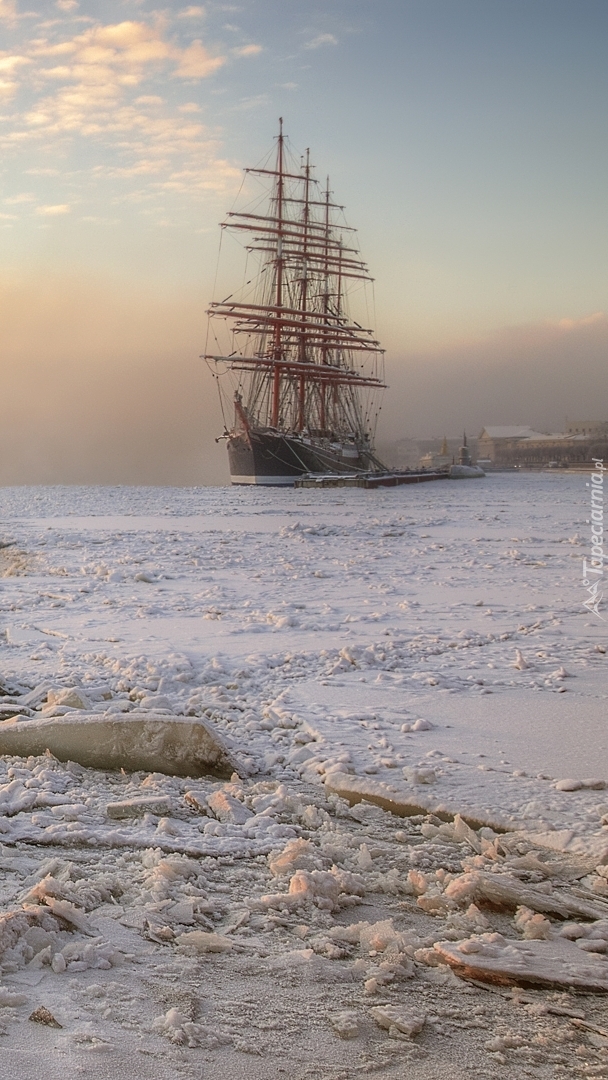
{"x": 593, "y": 571}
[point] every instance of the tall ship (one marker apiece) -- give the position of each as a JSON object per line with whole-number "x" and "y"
{"x": 298, "y": 368}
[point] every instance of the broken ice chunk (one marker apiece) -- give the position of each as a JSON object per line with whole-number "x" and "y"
{"x": 393, "y": 1016}
{"x": 568, "y": 785}
{"x": 227, "y": 809}
{"x": 533, "y": 926}
{"x": 146, "y": 804}
{"x": 202, "y": 942}
{"x": 379, "y": 936}
{"x": 319, "y": 886}
{"x": 72, "y": 698}
{"x": 420, "y": 776}
{"x": 345, "y": 1024}
{"x": 179, "y": 745}
{"x": 422, "y": 725}
{"x": 297, "y": 855}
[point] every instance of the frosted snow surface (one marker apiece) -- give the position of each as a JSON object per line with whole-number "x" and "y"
{"x": 425, "y": 647}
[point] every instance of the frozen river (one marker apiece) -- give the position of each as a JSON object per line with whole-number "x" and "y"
{"x": 401, "y": 605}
{"x": 423, "y": 647}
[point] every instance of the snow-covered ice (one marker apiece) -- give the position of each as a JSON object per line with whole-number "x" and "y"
{"x": 424, "y": 649}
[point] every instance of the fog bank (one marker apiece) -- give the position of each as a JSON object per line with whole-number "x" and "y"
{"x": 103, "y": 384}
{"x": 537, "y": 375}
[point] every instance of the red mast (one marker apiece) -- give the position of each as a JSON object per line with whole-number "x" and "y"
{"x": 278, "y": 348}
{"x": 304, "y": 293}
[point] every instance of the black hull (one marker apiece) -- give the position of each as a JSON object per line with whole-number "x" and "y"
{"x": 274, "y": 460}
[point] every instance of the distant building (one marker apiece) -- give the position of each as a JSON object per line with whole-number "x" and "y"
{"x": 511, "y": 446}
{"x": 587, "y": 427}
{"x": 497, "y": 443}
{"x": 433, "y": 460}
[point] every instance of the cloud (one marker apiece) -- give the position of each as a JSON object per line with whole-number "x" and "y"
{"x": 247, "y": 103}
{"x": 196, "y": 63}
{"x": 9, "y": 63}
{"x": 8, "y": 9}
{"x": 25, "y": 197}
{"x": 193, "y": 12}
{"x": 9, "y": 70}
{"x": 320, "y": 40}
{"x": 53, "y": 211}
{"x": 121, "y": 54}
{"x": 587, "y": 320}
{"x": 67, "y": 5}
{"x": 247, "y": 50}
{"x": 98, "y": 85}
{"x": 113, "y": 88}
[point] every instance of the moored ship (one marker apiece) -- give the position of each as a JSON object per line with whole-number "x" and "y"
{"x": 299, "y": 373}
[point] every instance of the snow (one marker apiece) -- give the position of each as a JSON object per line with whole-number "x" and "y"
{"x": 423, "y": 650}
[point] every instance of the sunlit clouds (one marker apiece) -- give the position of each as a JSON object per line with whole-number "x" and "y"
{"x": 53, "y": 211}
{"x": 9, "y": 68}
{"x": 8, "y": 9}
{"x": 192, "y": 12}
{"x": 247, "y": 50}
{"x": 115, "y": 87}
{"x": 320, "y": 40}
{"x": 586, "y": 320}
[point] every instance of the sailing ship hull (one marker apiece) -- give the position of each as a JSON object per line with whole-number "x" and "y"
{"x": 274, "y": 459}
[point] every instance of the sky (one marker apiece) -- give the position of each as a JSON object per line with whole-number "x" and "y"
{"x": 466, "y": 138}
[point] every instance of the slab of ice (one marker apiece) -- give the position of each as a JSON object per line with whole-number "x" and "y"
{"x": 177, "y": 745}
{"x": 555, "y": 963}
{"x": 147, "y": 804}
{"x": 202, "y": 942}
{"x": 505, "y": 890}
{"x": 402, "y": 1020}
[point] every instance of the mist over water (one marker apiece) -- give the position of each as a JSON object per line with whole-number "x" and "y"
{"x": 103, "y": 384}
{"x": 538, "y": 375}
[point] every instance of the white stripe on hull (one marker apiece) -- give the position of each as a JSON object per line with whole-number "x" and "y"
{"x": 267, "y": 481}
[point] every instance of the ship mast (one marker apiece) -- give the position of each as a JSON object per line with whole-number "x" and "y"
{"x": 278, "y": 349}
{"x": 305, "y": 355}
{"x": 304, "y": 293}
